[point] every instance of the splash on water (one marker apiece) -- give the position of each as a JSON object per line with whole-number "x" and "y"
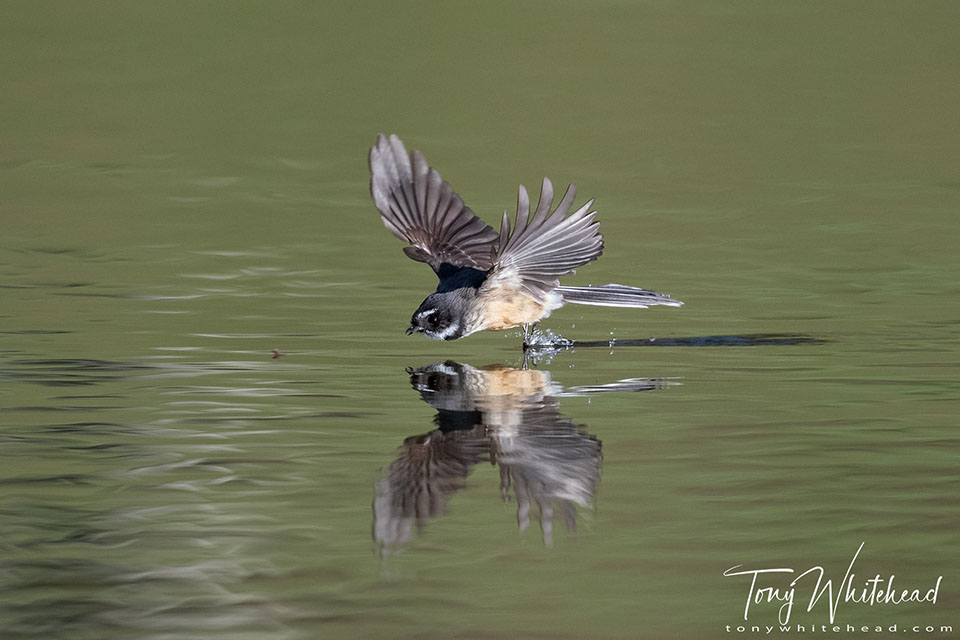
{"x": 546, "y": 339}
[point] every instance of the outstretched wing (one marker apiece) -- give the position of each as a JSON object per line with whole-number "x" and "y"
{"x": 540, "y": 250}
{"x": 420, "y": 207}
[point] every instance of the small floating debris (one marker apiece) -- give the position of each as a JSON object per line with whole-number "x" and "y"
{"x": 277, "y": 354}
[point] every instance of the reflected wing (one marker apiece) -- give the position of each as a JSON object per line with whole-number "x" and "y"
{"x": 540, "y": 250}
{"x": 418, "y": 206}
{"x": 428, "y": 471}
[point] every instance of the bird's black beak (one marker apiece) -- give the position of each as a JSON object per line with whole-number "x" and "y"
{"x": 411, "y": 330}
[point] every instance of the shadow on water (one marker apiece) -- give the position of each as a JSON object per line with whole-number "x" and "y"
{"x": 504, "y": 416}
{"x": 546, "y": 344}
{"x": 743, "y": 340}
{"x": 553, "y": 342}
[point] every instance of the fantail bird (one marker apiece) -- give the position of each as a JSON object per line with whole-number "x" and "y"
{"x": 489, "y": 280}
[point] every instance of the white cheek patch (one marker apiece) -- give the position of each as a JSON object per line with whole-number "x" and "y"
{"x": 448, "y": 331}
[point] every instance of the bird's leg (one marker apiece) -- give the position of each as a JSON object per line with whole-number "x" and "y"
{"x": 528, "y": 332}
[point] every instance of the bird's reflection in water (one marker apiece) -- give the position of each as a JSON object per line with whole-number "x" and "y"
{"x": 505, "y": 416}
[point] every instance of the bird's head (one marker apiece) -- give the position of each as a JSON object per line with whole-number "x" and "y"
{"x": 438, "y": 317}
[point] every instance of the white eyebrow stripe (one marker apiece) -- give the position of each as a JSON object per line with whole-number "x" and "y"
{"x": 424, "y": 314}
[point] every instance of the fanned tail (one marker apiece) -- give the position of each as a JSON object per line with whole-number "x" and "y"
{"x": 616, "y": 295}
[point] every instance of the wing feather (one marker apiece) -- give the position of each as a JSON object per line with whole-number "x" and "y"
{"x": 536, "y": 252}
{"x": 418, "y": 206}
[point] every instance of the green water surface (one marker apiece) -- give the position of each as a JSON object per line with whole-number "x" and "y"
{"x": 183, "y": 189}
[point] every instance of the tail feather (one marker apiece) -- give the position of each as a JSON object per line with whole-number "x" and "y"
{"x": 616, "y": 295}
